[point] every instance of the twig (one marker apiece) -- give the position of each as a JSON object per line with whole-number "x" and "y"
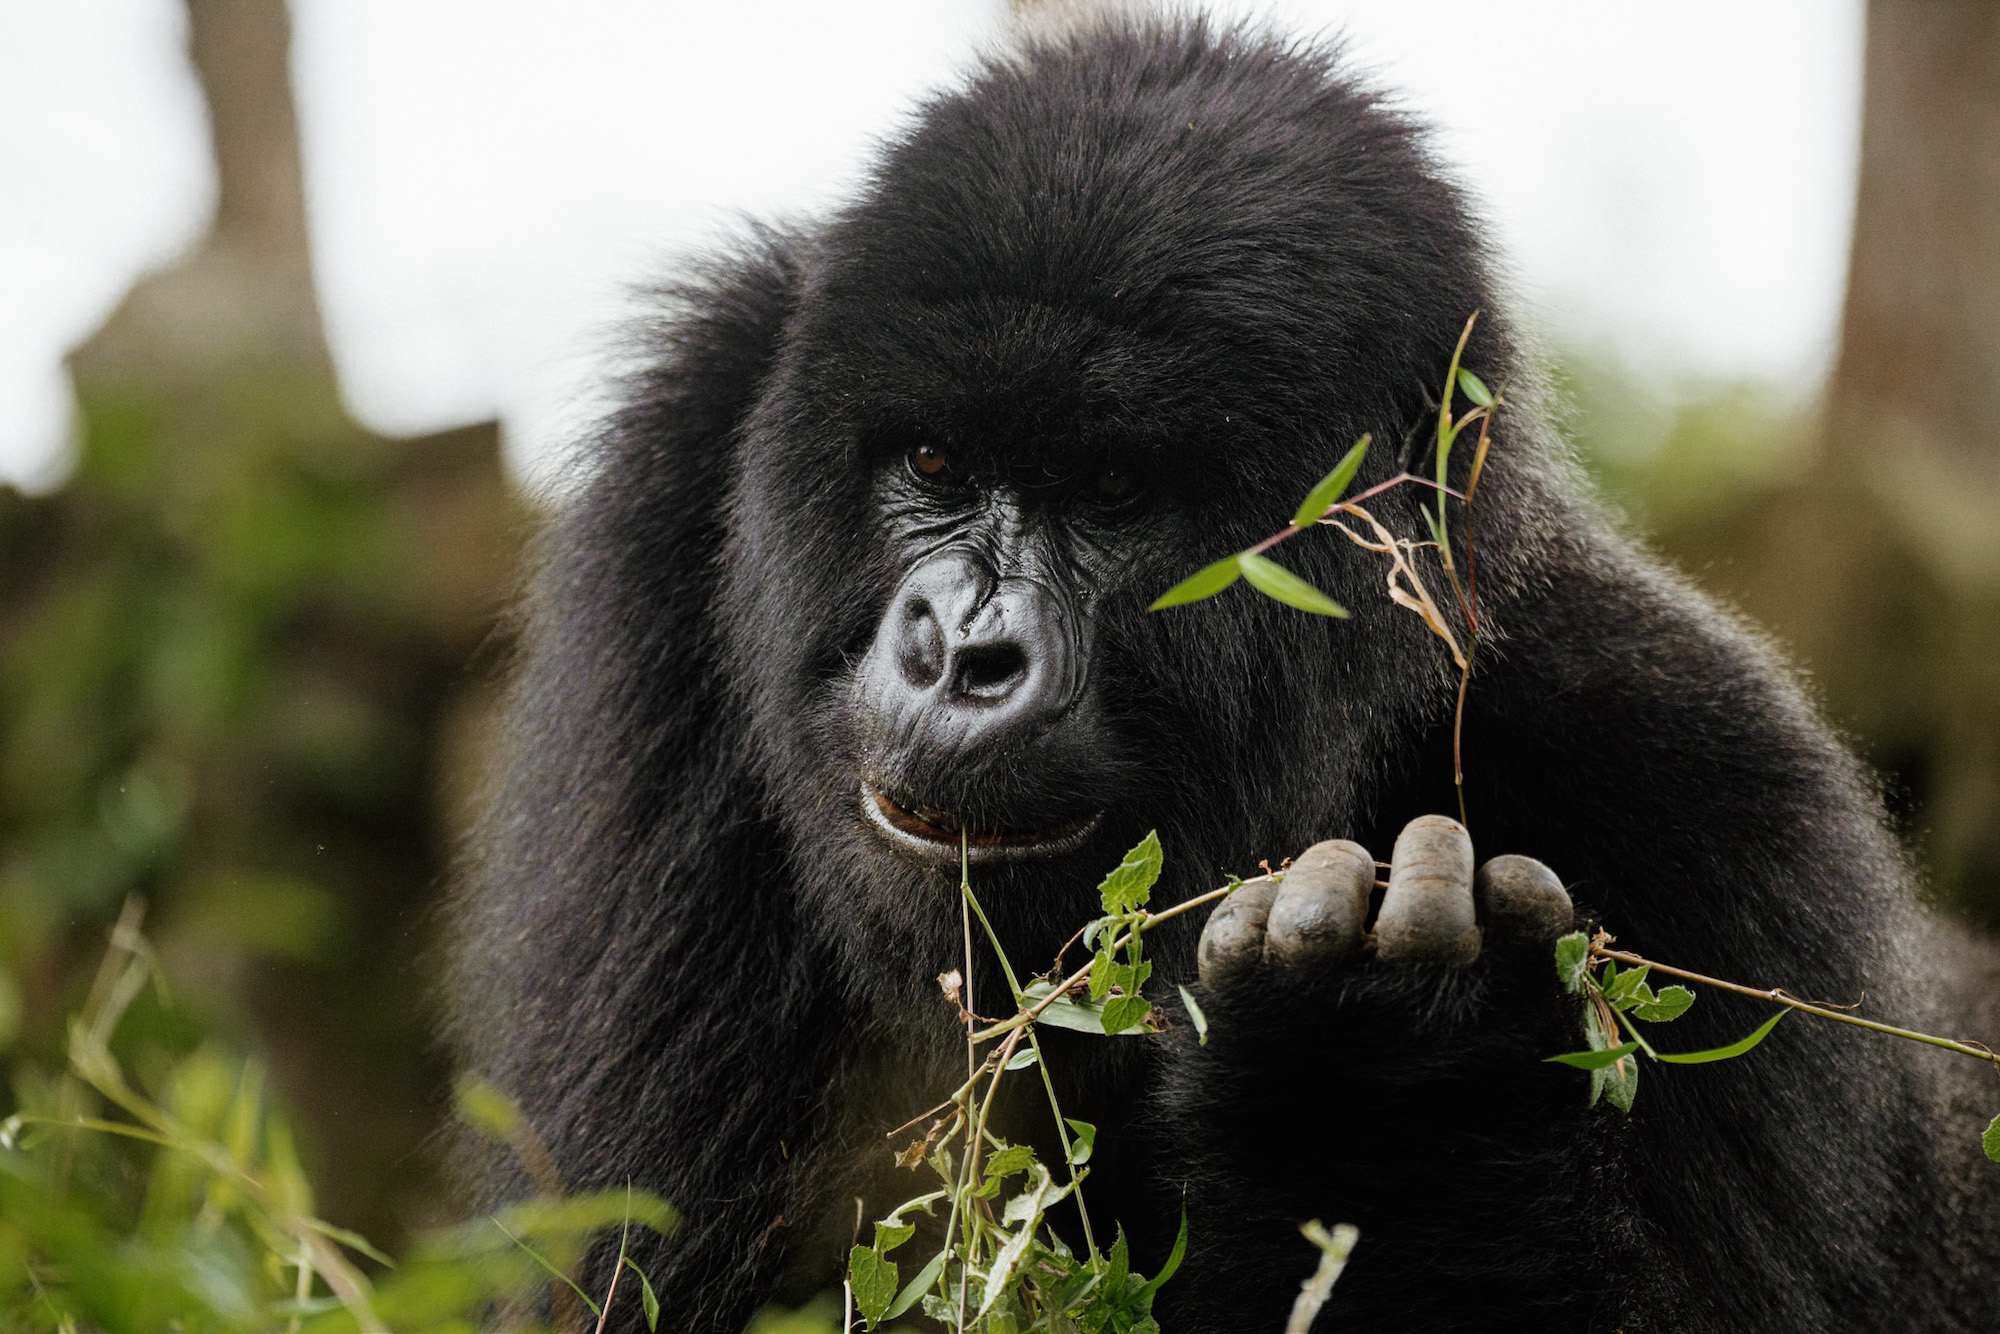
{"x": 1334, "y": 1246}
{"x": 1081, "y": 975}
{"x": 1779, "y": 996}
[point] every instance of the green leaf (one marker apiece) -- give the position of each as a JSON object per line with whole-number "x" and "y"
{"x": 1621, "y": 1083}
{"x": 1594, "y": 1060}
{"x": 1733, "y": 1049}
{"x": 647, "y": 1297}
{"x": 1015, "y": 1158}
{"x": 1332, "y": 486}
{"x": 1275, "y": 581}
{"x": 873, "y": 1280}
{"x": 1621, "y": 985}
{"x": 1078, "y": 1016}
{"x": 1475, "y": 388}
{"x": 486, "y": 1109}
{"x": 575, "y": 1216}
{"x": 1084, "y": 1144}
{"x": 1125, "y": 1012}
{"x": 1435, "y": 523}
{"x": 1669, "y": 1005}
{"x": 1572, "y": 953}
{"x": 1119, "y": 1268}
{"x": 1195, "y": 1016}
{"x": 1103, "y": 972}
{"x": 918, "y": 1286}
{"x": 1173, "y": 1262}
{"x": 1203, "y": 583}
{"x": 1990, "y": 1141}
{"x": 543, "y": 1261}
{"x": 888, "y": 1236}
{"x": 1128, "y": 887}
{"x": 1022, "y": 1059}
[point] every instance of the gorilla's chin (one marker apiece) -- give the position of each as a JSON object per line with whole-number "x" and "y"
{"x": 916, "y": 830}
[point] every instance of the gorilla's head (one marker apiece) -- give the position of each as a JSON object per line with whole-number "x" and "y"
{"x": 1090, "y": 325}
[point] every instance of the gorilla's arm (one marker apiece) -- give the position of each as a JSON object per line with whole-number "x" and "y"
{"x": 628, "y": 966}
{"x": 1632, "y": 738}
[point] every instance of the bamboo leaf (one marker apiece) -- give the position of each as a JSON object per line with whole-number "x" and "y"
{"x": 1203, "y": 583}
{"x": 1275, "y": 581}
{"x": 1475, "y": 388}
{"x": 1331, "y": 487}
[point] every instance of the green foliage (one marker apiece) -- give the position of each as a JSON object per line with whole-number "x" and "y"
{"x": 1203, "y": 583}
{"x": 1331, "y": 487}
{"x": 1000, "y": 1267}
{"x": 216, "y": 1229}
{"x": 228, "y": 647}
{"x": 1614, "y": 999}
{"x": 1275, "y": 581}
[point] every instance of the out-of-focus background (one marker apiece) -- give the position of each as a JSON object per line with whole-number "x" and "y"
{"x": 299, "y": 311}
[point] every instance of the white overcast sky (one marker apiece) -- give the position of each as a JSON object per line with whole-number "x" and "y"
{"x": 488, "y": 178}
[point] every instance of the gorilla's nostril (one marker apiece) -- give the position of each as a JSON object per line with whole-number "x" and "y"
{"x": 988, "y": 671}
{"x": 920, "y": 655}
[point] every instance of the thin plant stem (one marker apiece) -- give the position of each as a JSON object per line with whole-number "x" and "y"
{"x": 1779, "y": 996}
{"x": 965, "y": 922}
{"x": 1151, "y": 920}
{"x": 971, "y": 900}
{"x": 1062, "y": 1134}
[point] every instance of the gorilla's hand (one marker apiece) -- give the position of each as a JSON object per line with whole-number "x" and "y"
{"x": 1315, "y": 921}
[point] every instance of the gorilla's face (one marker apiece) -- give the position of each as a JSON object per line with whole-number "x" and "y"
{"x": 977, "y": 714}
{"x": 951, "y": 518}
{"x": 1016, "y": 397}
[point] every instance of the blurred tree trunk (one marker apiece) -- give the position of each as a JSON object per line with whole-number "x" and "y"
{"x": 1881, "y": 565}
{"x": 1914, "y": 407}
{"x": 234, "y": 677}
{"x": 245, "y": 295}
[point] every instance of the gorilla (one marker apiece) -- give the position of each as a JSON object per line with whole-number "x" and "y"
{"x": 861, "y": 567}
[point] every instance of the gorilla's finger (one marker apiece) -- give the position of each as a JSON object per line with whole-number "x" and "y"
{"x": 1321, "y": 908}
{"x": 1522, "y": 901}
{"x": 1427, "y": 914}
{"x": 1233, "y": 941}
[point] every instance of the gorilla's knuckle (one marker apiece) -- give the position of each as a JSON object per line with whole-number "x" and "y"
{"x": 1427, "y": 914}
{"x": 1320, "y": 912}
{"x": 1232, "y": 941}
{"x": 1522, "y": 901}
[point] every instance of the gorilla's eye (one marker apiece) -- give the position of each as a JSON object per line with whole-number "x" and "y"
{"x": 1114, "y": 483}
{"x": 930, "y": 460}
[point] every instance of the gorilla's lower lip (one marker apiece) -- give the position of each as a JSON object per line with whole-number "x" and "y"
{"x": 937, "y": 835}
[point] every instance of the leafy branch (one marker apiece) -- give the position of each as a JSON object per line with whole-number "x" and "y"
{"x": 1010, "y": 1270}
{"x": 1614, "y": 999}
{"x": 1406, "y": 586}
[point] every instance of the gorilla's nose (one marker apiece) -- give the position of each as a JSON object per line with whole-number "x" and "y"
{"x": 973, "y": 652}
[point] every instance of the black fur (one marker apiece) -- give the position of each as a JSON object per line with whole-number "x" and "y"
{"x": 699, "y": 971}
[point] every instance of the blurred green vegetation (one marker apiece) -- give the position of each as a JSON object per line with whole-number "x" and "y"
{"x": 1876, "y": 580}
{"x": 236, "y": 675}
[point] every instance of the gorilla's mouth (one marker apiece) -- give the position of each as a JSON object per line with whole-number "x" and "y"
{"x": 936, "y": 835}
